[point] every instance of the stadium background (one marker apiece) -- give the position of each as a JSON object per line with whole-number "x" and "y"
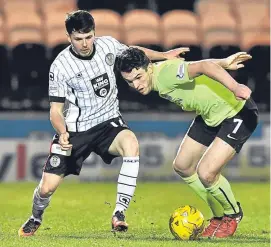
{"x": 31, "y": 35}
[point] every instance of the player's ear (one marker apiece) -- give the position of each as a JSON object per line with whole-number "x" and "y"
{"x": 68, "y": 37}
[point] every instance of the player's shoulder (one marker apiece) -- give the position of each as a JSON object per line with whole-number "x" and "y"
{"x": 175, "y": 61}
{"x": 167, "y": 64}
{"x": 58, "y": 61}
{"x": 104, "y": 39}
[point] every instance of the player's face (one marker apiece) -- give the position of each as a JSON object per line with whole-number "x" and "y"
{"x": 139, "y": 79}
{"x": 82, "y": 43}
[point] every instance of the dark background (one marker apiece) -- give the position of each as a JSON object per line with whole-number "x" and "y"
{"x": 24, "y": 66}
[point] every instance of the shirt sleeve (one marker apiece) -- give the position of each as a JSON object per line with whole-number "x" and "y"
{"x": 57, "y": 85}
{"x": 182, "y": 72}
{"x": 173, "y": 73}
{"x": 119, "y": 46}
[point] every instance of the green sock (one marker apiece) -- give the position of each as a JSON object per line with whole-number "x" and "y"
{"x": 221, "y": 190}
{"x": 195, "y": 183}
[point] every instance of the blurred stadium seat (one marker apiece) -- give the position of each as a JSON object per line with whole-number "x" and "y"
{"x": 2, "y": 29}
{"x": 108, "y": 23}
{"x": 60, "y": 6}
{"x": 220, "y": 38}
{"x": 254, "y": 38}
{"x": 56, "y": 41}
{"x": 253, "y": 21}
{"x": 142, "y": 27}
{"x": 254, "y": 28}
{"x": 210, "y": 7}
{"x": 219, "y": 34}
{"x": 5, "y": 86}
{"x": 258, "y": 45}
{"x": 250, "y": 14}
{"x": 165, "y": 6}
{"x": 18, "y": 20}
{"x": 216, "y": 28}
{"x": 119, "y": 6}
{"x": 261, "y": 91}
{"x": 29, "y": 63}
{"x": 25, "y": 6}
{"x": 4, "y": 61}
{"x": 55, "y": 33}
{"x": 180, "y": 28}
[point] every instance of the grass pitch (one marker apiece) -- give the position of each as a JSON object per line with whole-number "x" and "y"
{"x": 80, "y": 215}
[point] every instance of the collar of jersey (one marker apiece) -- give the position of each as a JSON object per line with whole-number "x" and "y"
{"x": 83, "y": 58}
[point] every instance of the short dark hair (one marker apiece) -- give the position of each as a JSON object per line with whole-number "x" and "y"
{"x": 79, "y": 21}
{"x": 132, "y": 58}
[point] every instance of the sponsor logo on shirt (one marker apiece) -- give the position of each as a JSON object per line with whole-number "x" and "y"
{"x": 180, "y": 73}
{"x": 101, "y": 85}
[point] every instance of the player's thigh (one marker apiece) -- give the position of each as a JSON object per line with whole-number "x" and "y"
{"x": 124, "y": 144}
{"x": 188, "y": 156}
{"x": 194, "y": 144}
{"x": 214, "y": 159}
{"x": 49, "y": 183}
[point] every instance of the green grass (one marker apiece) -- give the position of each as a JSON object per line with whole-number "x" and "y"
{"x": 79, "y": 215}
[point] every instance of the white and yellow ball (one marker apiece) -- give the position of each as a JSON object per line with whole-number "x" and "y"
{"x": 186, "y": 223}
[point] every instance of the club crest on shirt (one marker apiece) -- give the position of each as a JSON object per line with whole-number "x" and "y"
{"x": 101, "y": 85}
{"x": 109, "y": 59}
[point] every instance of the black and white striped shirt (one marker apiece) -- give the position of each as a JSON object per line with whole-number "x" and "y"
{"x": 87, "y": 84}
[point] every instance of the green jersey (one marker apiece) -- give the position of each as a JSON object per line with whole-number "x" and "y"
{"x": 207, "y": 97}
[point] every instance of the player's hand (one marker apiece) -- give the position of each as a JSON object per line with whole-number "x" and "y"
{"x": 175, "y": 53}
{"x": 234, "y": 62}
{"x": 64, "y": 141}
{"x": 242, "y": 92}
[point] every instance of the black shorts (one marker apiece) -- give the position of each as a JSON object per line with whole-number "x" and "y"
{"x": 97, "y": 139}
{"x": 235, "y": 131}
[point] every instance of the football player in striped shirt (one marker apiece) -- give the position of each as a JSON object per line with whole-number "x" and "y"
{"x": 84, "y": 111}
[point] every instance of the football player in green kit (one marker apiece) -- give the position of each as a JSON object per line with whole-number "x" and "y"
{"x": 226, "y": 118}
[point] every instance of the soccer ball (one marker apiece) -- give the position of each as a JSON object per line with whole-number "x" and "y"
{"x": 186, "y": 223}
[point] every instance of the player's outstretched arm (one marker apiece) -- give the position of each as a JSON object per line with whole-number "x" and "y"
{"x": 171, "y": 54}
{"x": 232, "y": 62}
{"x": 217, "y": 73}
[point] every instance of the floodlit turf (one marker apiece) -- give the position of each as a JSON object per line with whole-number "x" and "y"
{"x": 79, "y": 215}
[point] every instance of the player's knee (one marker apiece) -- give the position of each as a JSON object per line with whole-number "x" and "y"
{"x": 46, "y": 190}
{"x": 179, "y": 167}
{"x": 206, "y": 177}
{"x": 130, "y": 145}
